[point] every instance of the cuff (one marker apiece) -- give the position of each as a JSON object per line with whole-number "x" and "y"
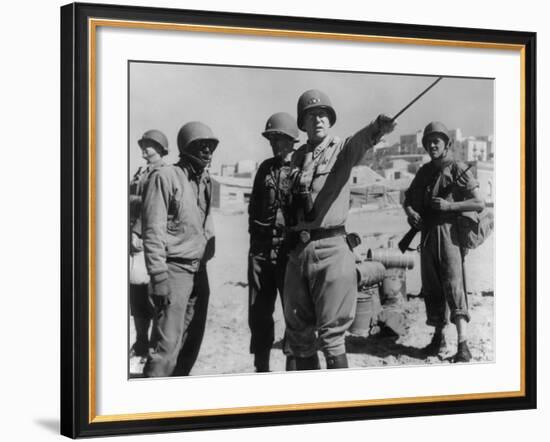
{"x": 159, "y": 277}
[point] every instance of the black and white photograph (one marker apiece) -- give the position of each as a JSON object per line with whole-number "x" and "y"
{"x": 291, "y": 219}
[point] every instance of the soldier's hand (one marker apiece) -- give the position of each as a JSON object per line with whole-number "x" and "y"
{"x": 160, "y": 285}
{"x": 415, "y": 220}
{"x": 160, "y": 291}
{"x": 381, "y": 126}
{"x": 160, "y": 301}
{"x": 136, "y": 243}
{"x": 385, "y": 124}
{"x": 440, "y": 204}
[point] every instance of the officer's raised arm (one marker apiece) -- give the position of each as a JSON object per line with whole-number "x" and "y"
{"x": 366, "y": 138}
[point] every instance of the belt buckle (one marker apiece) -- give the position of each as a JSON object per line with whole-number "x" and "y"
{"x": 305, "y": 236}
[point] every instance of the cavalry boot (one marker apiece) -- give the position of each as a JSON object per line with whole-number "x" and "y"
{"x": 310, "y": 363}
{"x": 340, "y": 361}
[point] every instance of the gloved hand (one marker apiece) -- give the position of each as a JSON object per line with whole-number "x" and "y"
{"x": 381, "y": 126}
{"x": 160, "y": 290}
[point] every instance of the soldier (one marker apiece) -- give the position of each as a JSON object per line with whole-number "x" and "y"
{"x": 154, "y": 146}
{"x": 178, "y": 241}
{"x": 267, "y": 259}
{"x": 320, "y": 284}
{"x": 440, "y": 190}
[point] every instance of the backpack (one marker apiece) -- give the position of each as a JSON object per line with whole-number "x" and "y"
{"x": 474, "y": 227}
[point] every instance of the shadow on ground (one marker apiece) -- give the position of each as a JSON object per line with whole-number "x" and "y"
{"x": 381, "y": 347}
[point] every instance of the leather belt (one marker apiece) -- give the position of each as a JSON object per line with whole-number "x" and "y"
{"x": 183, "y": 261}
{"x": 306, "y": 236}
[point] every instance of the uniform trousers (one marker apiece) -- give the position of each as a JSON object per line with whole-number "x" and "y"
{"x": 142, "y": 311}
{"x": 320, "y": 294}
{"x": 178, "y": 328}
{"x": 265, "y": 277}
{"x": 442, "y": 273}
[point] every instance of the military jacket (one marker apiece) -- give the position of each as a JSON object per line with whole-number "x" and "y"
{"x": 265, "y": 218}
{"x": 331, "y": 164}
{"x": 450, "y": 180}
{"x": 177, "y": 222}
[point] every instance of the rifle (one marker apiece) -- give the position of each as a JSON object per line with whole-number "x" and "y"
{"x": 409, "y": 236}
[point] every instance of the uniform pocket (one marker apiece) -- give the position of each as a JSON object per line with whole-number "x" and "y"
{"x": 328, "y": 248}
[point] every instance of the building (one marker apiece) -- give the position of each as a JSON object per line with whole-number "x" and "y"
{"x": 470, "y": 149}
{"x": 456, "y": 135}
{"x": 364, "y": 176}
{"x": 246, "y": 168}
{"x": 490, "y": 149}
{"x": 411, "y": 143}
{"x": 381, "y": 151}
{"x": 231, "y": 193}
{"x": 483, "y": 171}
{"x": 228, "y": 169}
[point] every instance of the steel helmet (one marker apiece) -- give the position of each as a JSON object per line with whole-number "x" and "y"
{"x": 435, "y": 127}
{"x": 281, "y": 123}
{"x": 193, "y": 131}
{"x": 312, "y": 99}
{"x": 158, "y": 139}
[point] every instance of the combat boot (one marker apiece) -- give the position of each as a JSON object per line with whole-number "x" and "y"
{"x": 463, "y": 353}
{"x": 310, "y": 363}
{"x": 290, "y": 363}
{"x": 261, "y": 361}
{"x": 340, "y": 361}
{"x": 436, "y": 346}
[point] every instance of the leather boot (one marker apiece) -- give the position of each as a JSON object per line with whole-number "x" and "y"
{"x": 261, "y": 361}
{"x": 290, "y": 363}
{"x": 463, "y": 353}
{"x": 310, "y": 363}
{"x": 340, "y": 361}
{"x": 436, "y": 346}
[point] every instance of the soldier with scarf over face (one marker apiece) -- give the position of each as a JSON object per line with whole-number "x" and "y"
{"x": 178, "y": 240}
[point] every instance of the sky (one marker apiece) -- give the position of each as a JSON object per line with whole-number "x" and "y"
{"x": 237, "y": 101}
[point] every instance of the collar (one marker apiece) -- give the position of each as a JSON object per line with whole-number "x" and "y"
{"x": 194, "y": 171}
{"x": 319, "y": 148}
{"x": 444, "y": 162}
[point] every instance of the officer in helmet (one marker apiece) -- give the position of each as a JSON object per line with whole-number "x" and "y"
{"x": 267, "y": 258}
{"x": 440, "y": 190}
{"x": 154, "y": 146}
{"x": 178, "y": 239}
{"x": 320, "y": 283}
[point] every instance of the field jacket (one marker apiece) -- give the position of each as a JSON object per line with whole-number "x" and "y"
{"x": 174, "y": 225}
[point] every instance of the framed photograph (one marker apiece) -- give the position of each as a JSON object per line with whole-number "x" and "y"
{"x": 272, "y": 220}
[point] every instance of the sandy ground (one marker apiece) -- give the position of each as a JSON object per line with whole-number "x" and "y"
{"x": 226, "y": 340}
